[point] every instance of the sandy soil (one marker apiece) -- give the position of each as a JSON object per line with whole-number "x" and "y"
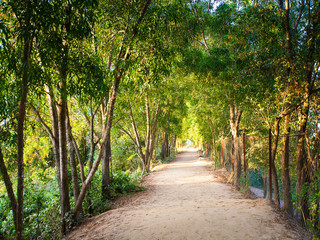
{"x": 186, "y": 200}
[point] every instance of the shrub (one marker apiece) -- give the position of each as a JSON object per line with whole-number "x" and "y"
{"x": 125, "y": 183}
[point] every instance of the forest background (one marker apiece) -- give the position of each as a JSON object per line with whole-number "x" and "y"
{"x": 93, "y": 93}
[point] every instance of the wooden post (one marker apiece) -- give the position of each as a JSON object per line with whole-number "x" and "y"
{"x": 244, "y": 155}
{"x": 270, "y": 165}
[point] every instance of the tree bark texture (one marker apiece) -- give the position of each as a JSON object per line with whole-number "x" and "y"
{"x": 106, "y": 170}
{"x": 287, "y": 203}
{"x": 273, "y": 158}
{"x": 237, "y": 162}
{"x": 151, "y": 133}
{"x": 62, "y": 120}
{"x": 73, "y": 164}
{"x": 165, "y": 143}
{"x": 303, "y": 175}
{"x": 8, "y": 184}
{"x": 55, "y": 133}
{"x": 235, "y": 116}
{"x": 106, "y": 159}
{"x": 301, "y": 160}
{"x": 27, "y": 46}
{"x": 223, "y": 162}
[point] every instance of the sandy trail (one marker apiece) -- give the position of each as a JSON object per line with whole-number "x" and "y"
{"x": 185, "y": 201}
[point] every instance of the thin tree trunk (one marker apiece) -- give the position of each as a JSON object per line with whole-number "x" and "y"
{"x": 223, "y": 163}
{"x": 73, "y": 164}
{"x": 303, "y": 176}
{"x": 302, "y": 161}
{"x": 165, "y": 144}
{"x": 235, "y": 116}
{"x": 148, "y": 134}
{"x": 55, "y": 133}
{"x": 92, "y": 151}
{"x": 65, "y": 208}
{"x": 136, "y": 140}
{"x": 62, "y": 129}
{"x": 152, "y": 137}
{"x": 274, "y": 171}
{"x": 20, "y": 135}
{"x": 62, "y": 111}
{"x": 56, "y": 142}
{"x": 287, "y": 203}
{"x": 81, "y": 165}
{"x": 232, "y": 153}
{"x": 92, "y": 142}
{"x": 8, "y": 184}
{"x": 265, "y": 183}
{"x": 214, "y": 150}
{"x": 106, "y": 159}
{"x": 237, "y": 162}
{"x": 106, "y": 170}
{"x": 111, "y": 104}
{"x": 174, "y": 142}
{"x": 87, "y": 182}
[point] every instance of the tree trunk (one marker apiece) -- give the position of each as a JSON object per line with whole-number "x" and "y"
{"x": 73, "y": 164}
{"x": 106, "y": 159}
{"x": 110, "y": 109}
{"x": 55, "y": 130}
{"x": 237, "y": 162}
{"x": 20, "y": 135}
{"x": 235, "y": 116}
{"x": 232, "y": 153}
{"x": 174, "y": 142}
{"x": 8, "y": 184}
{"x": 55, "y": 139}
{"x": 81, "y": 165}
{"x": 92, "y": 142}
{"x": 265, "y": 183}
{"x": 301, "y": 156}
{"x": 214, "y": 149}
{"x": 302, "y": 161}
{"x": 273, "y": 157}
{"x": 90, "y": 176}
{"x": 136, "y": 140}
{"x": 106, "y": 170}
{"x": 223, "y": 162}
{"x": 287, "y": 203}
{"x": 165, "y": 144}
{"x": 62, "y": 110}
{"x": 152, "y": 137}
{"x": 62, "y": 114}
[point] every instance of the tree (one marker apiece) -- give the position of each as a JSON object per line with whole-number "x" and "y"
{"x": 25, "y": 20}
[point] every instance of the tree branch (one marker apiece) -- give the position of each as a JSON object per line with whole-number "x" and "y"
{"x": 299, "y": 16}
{"x": 41, "y": 121}
{"x": 8, "y": 184}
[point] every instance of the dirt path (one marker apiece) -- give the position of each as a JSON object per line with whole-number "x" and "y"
{"x": 185, "y": 201}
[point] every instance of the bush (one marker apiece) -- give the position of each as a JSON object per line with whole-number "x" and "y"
{"x": 6, "y": 219}
{"x": 95, "y": 203}
{"x": 125, "y": 183}
{"x": 41, "y": 212}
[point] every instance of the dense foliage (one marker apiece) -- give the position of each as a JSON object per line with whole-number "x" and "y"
{"x": 94, "y": 93}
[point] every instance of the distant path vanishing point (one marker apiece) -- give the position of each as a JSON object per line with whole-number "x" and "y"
{"x": 185, "y": 201}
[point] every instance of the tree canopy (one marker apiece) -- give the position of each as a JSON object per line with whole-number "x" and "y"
{"x": 95, "y": 93}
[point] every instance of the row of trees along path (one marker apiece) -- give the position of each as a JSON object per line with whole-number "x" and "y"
{"x": 90, "y": 93}
{"x": 185, "y": 200}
